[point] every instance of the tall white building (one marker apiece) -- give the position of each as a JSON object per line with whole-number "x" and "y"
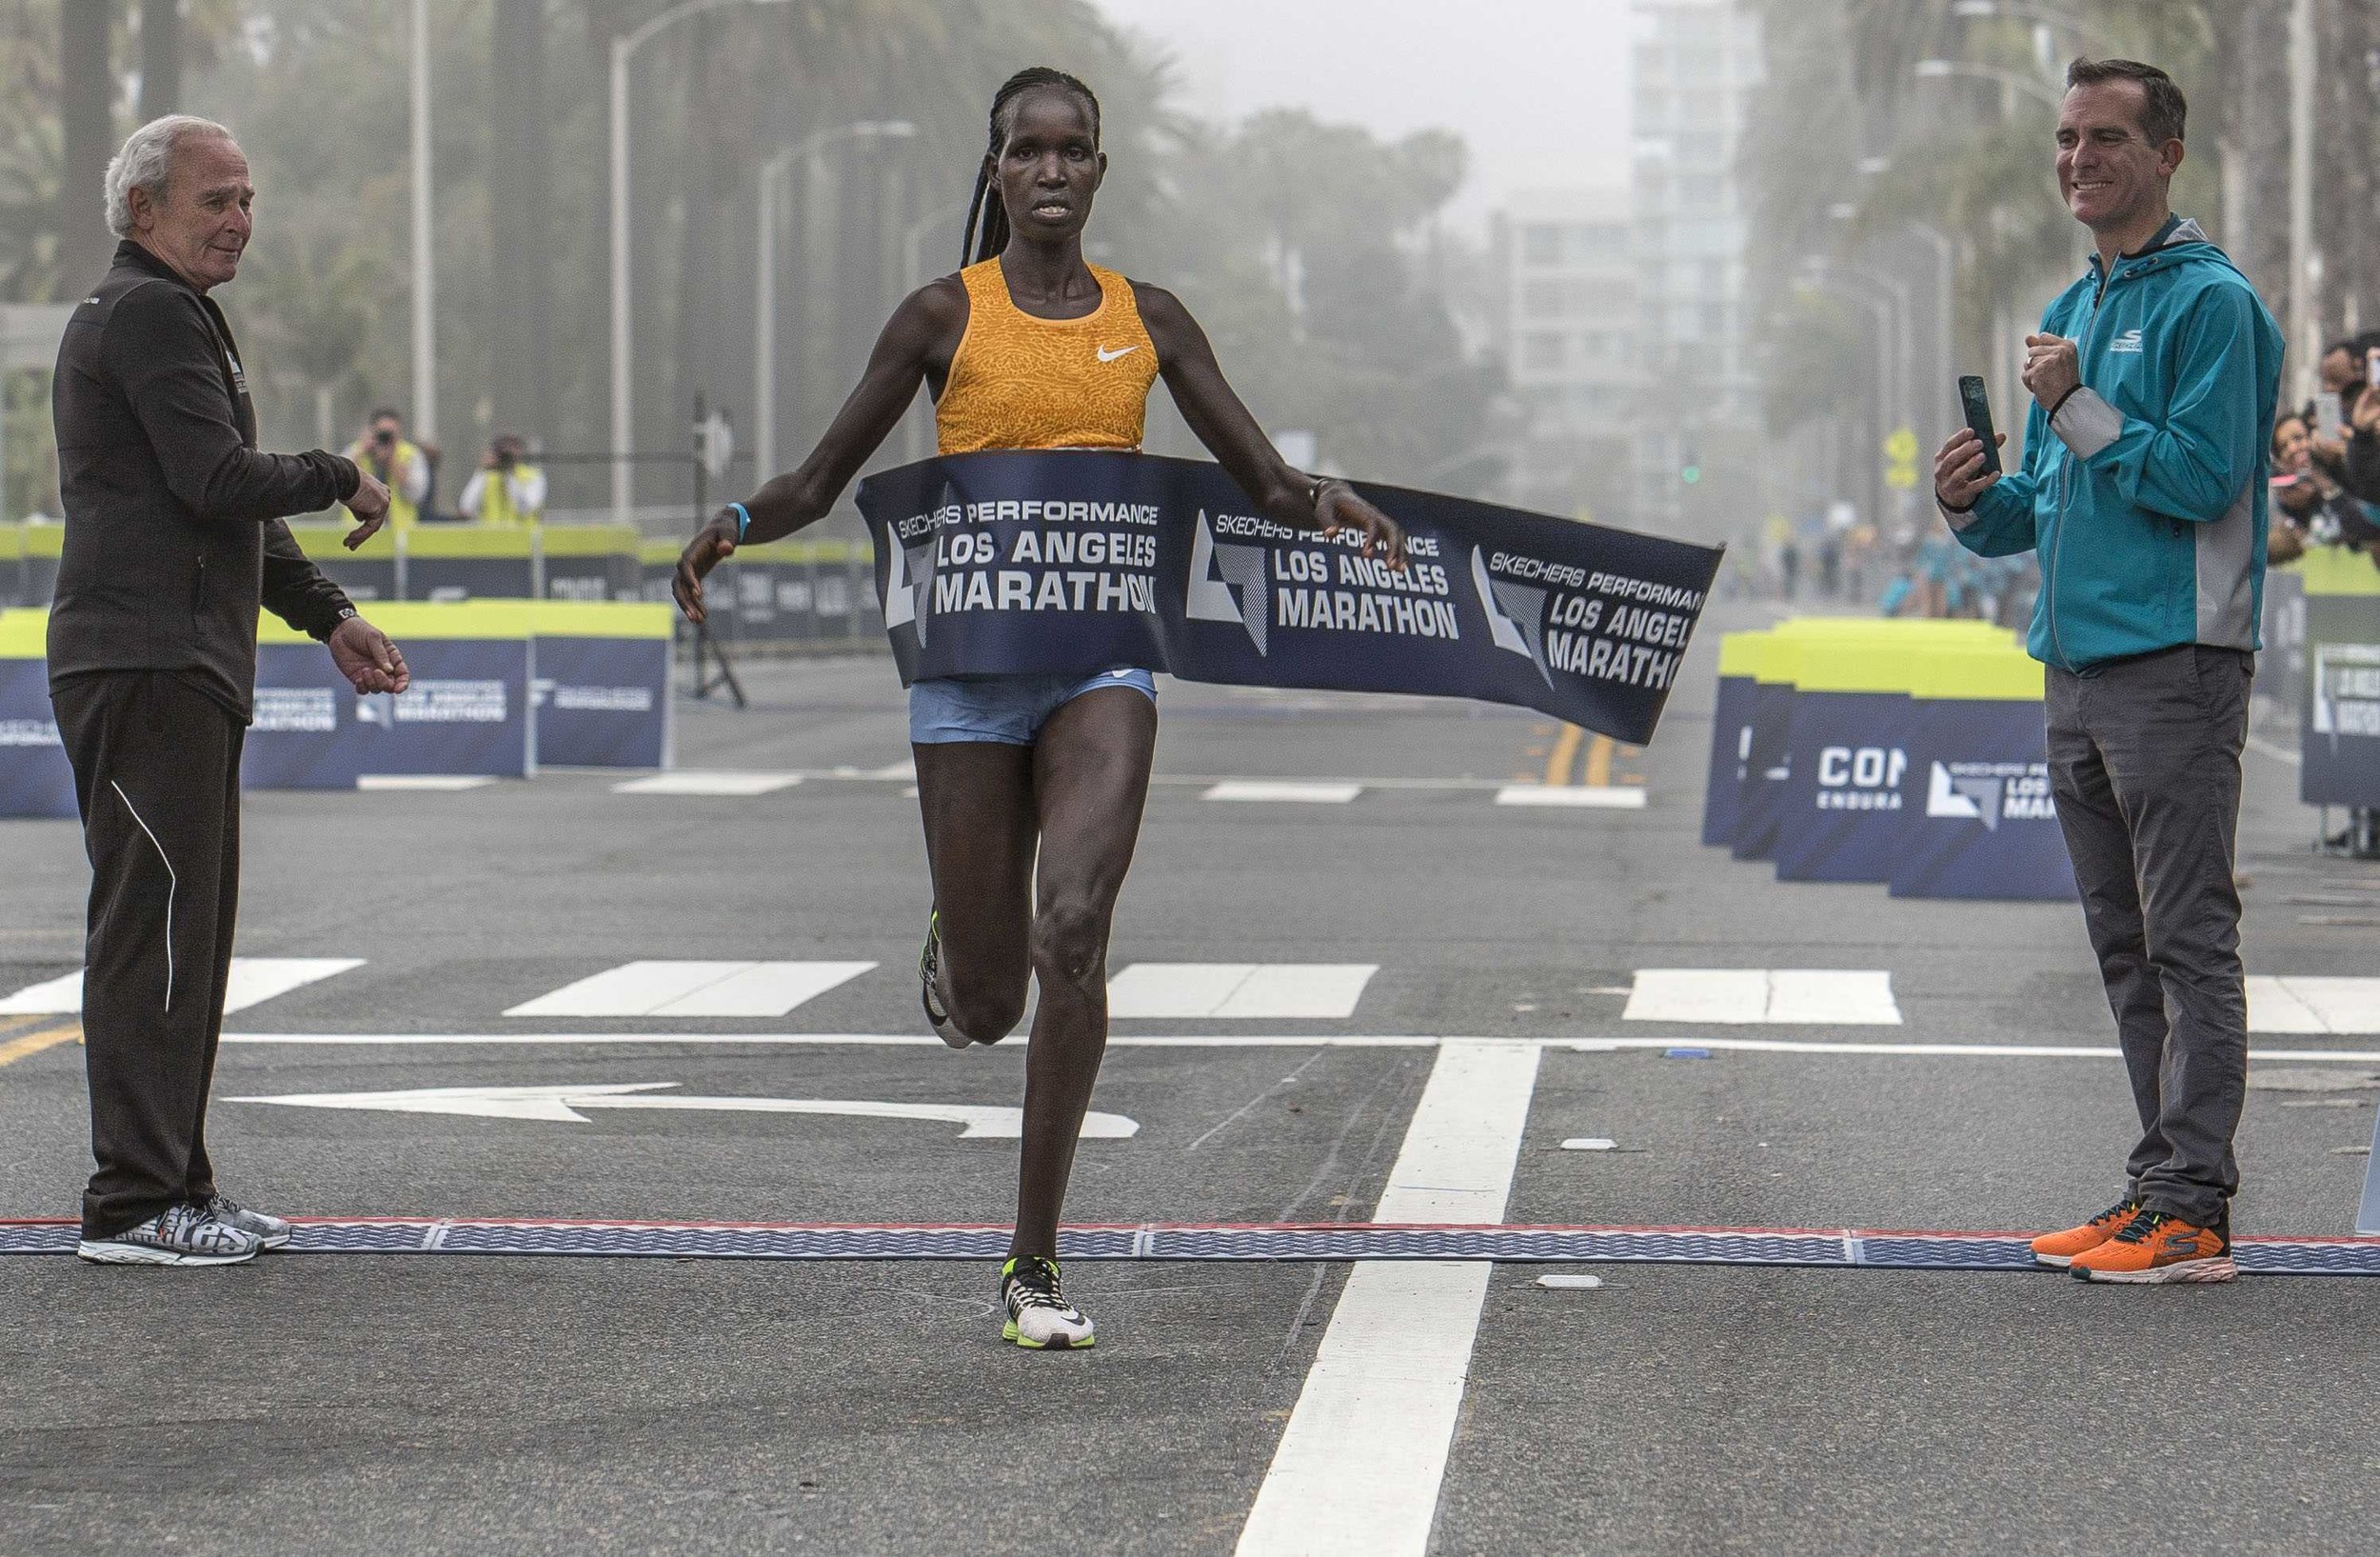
{"x": 1566, "y": 321}
{"x": 1695, "y": 63}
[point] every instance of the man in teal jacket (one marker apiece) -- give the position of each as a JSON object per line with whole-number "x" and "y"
{"x": 2154, "y": 383}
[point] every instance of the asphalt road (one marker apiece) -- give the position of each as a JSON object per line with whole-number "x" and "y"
{"x": 420, "y": 1403}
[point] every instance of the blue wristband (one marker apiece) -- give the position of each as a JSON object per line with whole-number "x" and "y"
{"x": 744, "y": 520}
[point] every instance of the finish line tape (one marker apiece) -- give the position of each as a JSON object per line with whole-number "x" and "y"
{"x": 1330, "y": 1242}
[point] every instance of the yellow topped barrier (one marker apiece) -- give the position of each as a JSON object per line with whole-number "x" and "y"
{"x": 404, "y": 619}
{"x": 24, "y": 634}
{"x": 323, "y": 541}
{"x": 44, "y": 541}
{"x": 585, "y": 540}
{"x": 2335, "y": 570}
{"x": 2005, "y": 675}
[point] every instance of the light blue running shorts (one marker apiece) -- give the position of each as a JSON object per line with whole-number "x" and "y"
{"x": 1009, "y": 709}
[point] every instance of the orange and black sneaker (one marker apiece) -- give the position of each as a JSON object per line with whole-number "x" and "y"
{"x": 2154, "y": 1246}
{"x": 2059, "y": 1249}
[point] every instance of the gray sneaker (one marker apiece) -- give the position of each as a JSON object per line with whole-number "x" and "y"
{"x": 178, "y": 1235}
{"x": 270, "y": 1231}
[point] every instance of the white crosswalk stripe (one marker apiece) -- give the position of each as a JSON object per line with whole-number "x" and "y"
{"x": 253, "y": 981}
{"x": 1321, "y": 990}
{"x": 694, "y": 988}
{"x": 693, "y": 783}
{"x": 1615, "y": 797}
{"x": 1805, "y": 996}
{"x": 1293, "y": 792}
{"x": 2312, "y": 1005}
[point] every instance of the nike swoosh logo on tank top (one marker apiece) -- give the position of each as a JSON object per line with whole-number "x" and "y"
{"x": 1105, "y": 355}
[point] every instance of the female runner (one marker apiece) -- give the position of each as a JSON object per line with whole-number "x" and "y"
{"x": 1031, "y": 347}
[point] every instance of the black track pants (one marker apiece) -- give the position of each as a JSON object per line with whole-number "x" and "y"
{"x": 157, "y": 774}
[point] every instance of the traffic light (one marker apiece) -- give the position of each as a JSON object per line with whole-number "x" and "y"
{"x": 1692, "y": 470}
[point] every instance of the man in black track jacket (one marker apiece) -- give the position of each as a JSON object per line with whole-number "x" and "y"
{"x": 173, "y": 541}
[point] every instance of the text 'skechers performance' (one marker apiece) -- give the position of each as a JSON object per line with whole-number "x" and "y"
{"x": 1023, "y": 562}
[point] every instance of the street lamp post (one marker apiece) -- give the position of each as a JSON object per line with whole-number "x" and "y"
{"x": 622, "y": 345}
{"x": 1883, "y": 312}
{"x": 425, "y": 271}
{"x": 912, "y": 277}
{"x": 764, "y": 298}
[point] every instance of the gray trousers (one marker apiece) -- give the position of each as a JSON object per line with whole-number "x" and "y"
{"x": 2145, "y": 766}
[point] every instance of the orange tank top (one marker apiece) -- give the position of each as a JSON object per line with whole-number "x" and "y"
{"x": 1021, "y": 382}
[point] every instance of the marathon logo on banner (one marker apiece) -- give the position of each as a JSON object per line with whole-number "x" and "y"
{"x": 1075, "y": 562}
{"x": 1991, "y": 792}
{"x": 2347, "y": 689}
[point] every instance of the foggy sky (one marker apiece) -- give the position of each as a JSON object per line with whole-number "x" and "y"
{"x": 1538, "y": 88}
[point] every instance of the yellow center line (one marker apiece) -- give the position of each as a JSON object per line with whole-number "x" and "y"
{"x": 1565, "y": 748}
{"x": 33, "y": 1043}
{"x": 1599, "y": 761}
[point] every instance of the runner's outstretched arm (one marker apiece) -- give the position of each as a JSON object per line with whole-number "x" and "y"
{"x": 916, "y": 343}
{"x": 1223, "y": 423}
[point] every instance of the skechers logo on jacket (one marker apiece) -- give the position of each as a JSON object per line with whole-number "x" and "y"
{"x": 2129, "y": 341}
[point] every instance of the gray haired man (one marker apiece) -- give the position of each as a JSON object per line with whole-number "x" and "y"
{"x": 174, "y": 542}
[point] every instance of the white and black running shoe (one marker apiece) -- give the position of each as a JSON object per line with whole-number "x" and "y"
{"x": 182, "y": 1235}
{"x": 270, "y": 1231}
{"x": 929, "y": 984}
{"x": 1039, "y": 1315}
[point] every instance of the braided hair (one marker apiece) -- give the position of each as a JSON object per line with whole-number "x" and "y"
{"x": 985, "y": 212}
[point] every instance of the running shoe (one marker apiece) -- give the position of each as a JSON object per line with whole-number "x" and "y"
{"x": 929, "y": 984}
{"x": 1039, "y": 1314}
{"x": 2155, "y": 1248}
{"x": 269, "y": 1232}
{"x": 182, "y": 1235}
{"x": 2059, "y": 1249}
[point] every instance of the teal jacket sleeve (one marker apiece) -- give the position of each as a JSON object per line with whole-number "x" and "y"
{"x": 2000, "y": 524}
{"x": 2192, "y": 465}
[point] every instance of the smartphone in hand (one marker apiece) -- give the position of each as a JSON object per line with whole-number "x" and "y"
{"x": 1978, "y": 404}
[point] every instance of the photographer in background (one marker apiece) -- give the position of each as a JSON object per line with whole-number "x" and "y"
{"x": 401, "y": 466}
{"x": 506, "y": 489}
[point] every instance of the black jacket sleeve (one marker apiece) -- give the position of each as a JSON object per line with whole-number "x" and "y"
{"x": 161, "y": 349}
{"x": 295, "y": 590}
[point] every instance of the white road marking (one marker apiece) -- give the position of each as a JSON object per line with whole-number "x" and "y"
{"x": 694, "y": 783}
{"x": 1296, "y": 791}
{"x": 1618, "y": 797}
{"x": 1325, "y": 991}
{"x": 437, "y": 783}
{"x": 1359, "y": 1463}
{"x": 1808, "y": 997}
{"x": 253, "y": 981}
{"x": 694, "y": 988}
{"x": 2312, "y": 1005}
{"x": 561, "y": 1104}
{"x": 1279, "y": 1040}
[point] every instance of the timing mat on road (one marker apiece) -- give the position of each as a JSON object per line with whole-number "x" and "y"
{"x": 1329, "y": 1242}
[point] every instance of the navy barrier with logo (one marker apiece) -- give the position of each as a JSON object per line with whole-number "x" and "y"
{"x": 1731, "y": 733}
{"x": 1766, "y": 740}
{"x": 791, "y": 591}
{"x": 1979, "y": 820}
{"x": 467, "y": 712}
{"x": 1839, "y": 810}
{"x": 2339, "y": 723}
{"x": 600, "y": 694}
{"x": 1067, "y": 562}
{"x": 35, "y": 779}
{"x": 449, "y": 563}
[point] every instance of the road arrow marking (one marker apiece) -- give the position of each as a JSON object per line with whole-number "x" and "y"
{"x": 561, "y": 1104}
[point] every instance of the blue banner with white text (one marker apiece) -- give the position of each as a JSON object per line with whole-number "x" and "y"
{"x": 1080, "y": 561}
